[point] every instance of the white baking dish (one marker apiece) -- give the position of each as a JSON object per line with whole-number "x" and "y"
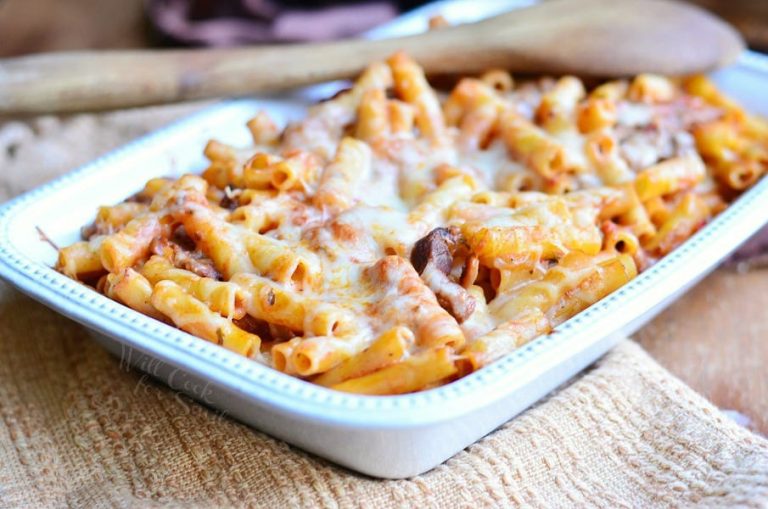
{"x": 395, "y": 436}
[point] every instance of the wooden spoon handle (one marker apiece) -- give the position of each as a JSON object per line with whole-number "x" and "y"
{"x": 77, "y": 81}
{"x": 97, "y": 80}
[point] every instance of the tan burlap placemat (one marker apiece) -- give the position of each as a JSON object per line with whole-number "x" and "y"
{"x": 76, "y": 429}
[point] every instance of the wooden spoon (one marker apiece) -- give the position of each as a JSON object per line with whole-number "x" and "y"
{"x": 589, "y": 38}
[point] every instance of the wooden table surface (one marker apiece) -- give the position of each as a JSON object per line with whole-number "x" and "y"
{"x": 715, "y": 338}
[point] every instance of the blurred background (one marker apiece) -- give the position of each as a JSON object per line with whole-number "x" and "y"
{"x": 714, "y": 338}
{"x": 31, "y": 26}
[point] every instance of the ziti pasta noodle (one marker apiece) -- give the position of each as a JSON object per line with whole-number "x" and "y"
{"x": 396, "y": 239}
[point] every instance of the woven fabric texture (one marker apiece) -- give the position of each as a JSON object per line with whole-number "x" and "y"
{"x": 78, "y": 429}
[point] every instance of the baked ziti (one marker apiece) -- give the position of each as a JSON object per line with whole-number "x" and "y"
{"x": 396, "y": 239}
